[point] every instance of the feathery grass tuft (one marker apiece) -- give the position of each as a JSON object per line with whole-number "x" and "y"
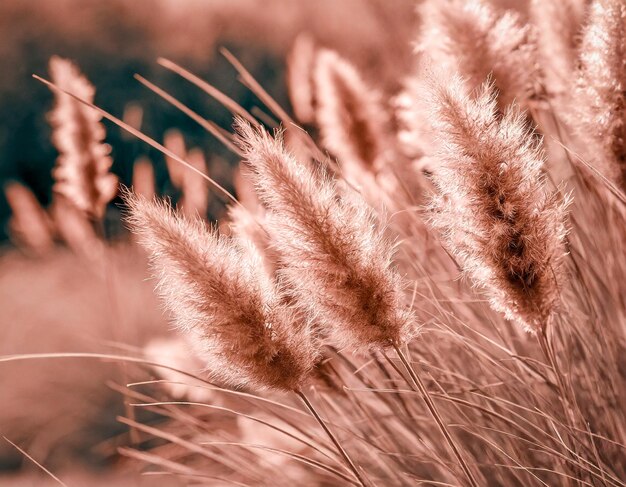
{"x": 82, "y": 171}
{"x": 493, "y": 207}
{"x": 215, "y": 292}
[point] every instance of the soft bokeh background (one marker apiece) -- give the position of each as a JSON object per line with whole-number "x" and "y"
{"x": 111, "y": 41}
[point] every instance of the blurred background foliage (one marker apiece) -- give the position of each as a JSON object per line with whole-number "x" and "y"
{"x": 111, "y": 41}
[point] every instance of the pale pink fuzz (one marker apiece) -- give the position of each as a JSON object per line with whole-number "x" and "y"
{"x": 30, "y": 225}
{"x": 299, "y": 78}
{"x": 352, "y": 119}
{"x": 475, "y": 39}
{"x": 217, "y": 292}
{"x": 599, "y": 104}
{"x": 496, "y": 215}
{"x": 82, "y": 170}
{"x": 334, "y": 258}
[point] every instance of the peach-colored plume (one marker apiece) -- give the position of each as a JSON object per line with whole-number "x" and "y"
{"x": 334, "y": 258}
{"x": 75, "y": 230}
{"x": 352, "y": 120}
{"x": 557, "y": 24}
{"x": 175, "y": 142}
{"x": 30, "y": 224}
{"x": 143, "y": 178}
{"x": 251, "y": 227}
{"x": 218, "y": 293}
{"x": 494, "y": 211}
{"x": 82, "y": 170}
{"x": 133, "y": 116}
{"x": 195, "y": 198}
{"x": 475, "y": 39}
{"x": 195, "y": 192}
{"x": 600, "y": 93}
{"x": 300, "y": 64}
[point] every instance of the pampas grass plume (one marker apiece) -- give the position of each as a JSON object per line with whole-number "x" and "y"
{"x": 475, "y": 39}
{"x": 30, "y": 225}
{"x": 195, "y": 199}
{"x": 217, "y": 294}
{"x": 299, "y": 78}
{"x": 82, "y": 171}
{"x": 334, "y": 256}
{"x": 493, "y": 209}
{"x": 143, "y": 177}
{"x": 352, "y": 121}
{"x": 600, "y": 89}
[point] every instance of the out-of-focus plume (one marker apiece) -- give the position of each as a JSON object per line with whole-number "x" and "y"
{"x": 557, "y": 24}
{"x": 30, "y": 225}
{"x": 175, "y": 142}
{"x": 75, "y": 230}
{"x": 334, "y": 258}
{"x": 133, "y": 116}
{"x": 143, "y": 178}
{"x": 599, "y": 104}
{"x": 218, "y": 294}
{"x": 351, "y": 117}
{"x": 195, "y": 199}
{"x": 300, "y": 63}
{"x": 82, "y": 170}
{"x": 475, "y": 39}
{"x": 496, "y": 215}
{"x": 251, "y": 226}
{"x": 195, "y": 192}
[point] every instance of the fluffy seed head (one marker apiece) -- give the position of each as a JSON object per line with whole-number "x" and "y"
{"x": 334, "y": 257}
{"x": 352, "y": 120}
{"x": 600, "y": 92}
{"x": 215, "y": 292}
{"x": 493, "y": 209}
{"x": 82, "y": 170}
{"x": 478, "y": 41}
{"x": 30, "y": 224}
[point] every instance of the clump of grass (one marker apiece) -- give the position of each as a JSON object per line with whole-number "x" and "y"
{"x": 409, "y": 374}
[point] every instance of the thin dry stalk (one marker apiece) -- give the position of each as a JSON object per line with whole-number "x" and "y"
{"x": 418, "y": 385}
{"x": 333, "y": 438}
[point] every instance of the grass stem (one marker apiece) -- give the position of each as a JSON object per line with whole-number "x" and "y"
{"x": 418, "y": 385}
{"x": 351, "y": 465}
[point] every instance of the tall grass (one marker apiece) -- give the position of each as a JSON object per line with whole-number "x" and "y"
{"x": 357, "y": 316}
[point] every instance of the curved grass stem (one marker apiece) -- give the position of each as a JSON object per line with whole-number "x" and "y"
{"x": 417, "y": 385}
{"x": 351, "y": 465}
